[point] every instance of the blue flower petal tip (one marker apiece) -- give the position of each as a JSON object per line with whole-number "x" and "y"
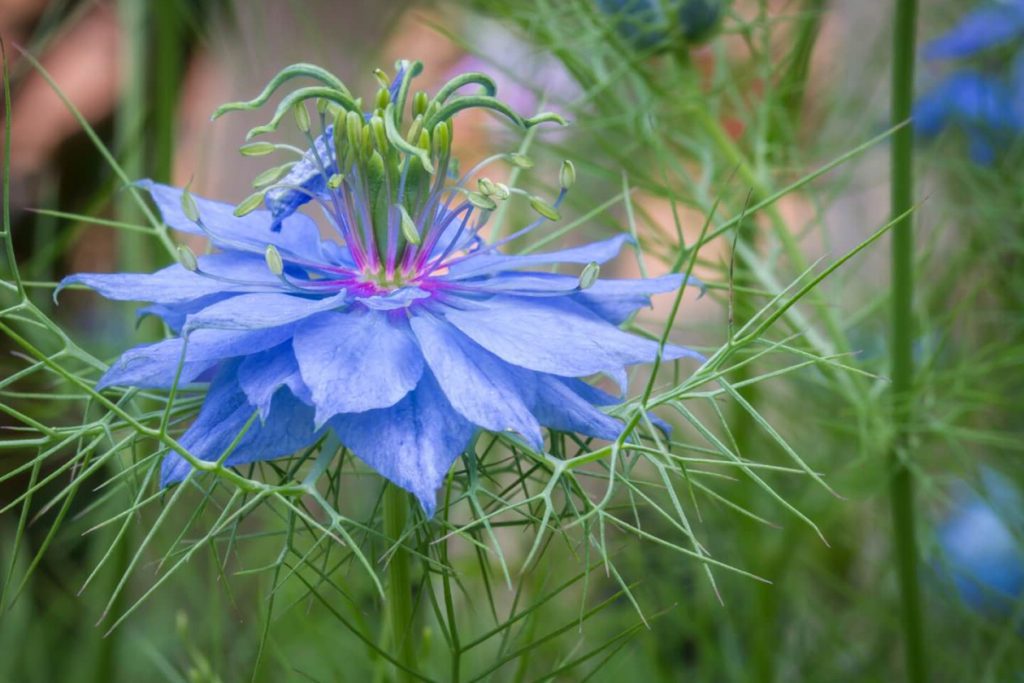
{"x": 402, "y": 333}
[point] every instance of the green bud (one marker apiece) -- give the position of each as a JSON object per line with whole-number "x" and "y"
{"x": 520, "y": 160}
{"x": 408, "y": 226}
{"x": 274, "y": 261}
{"x": 188, "y": 206}
{"x": 589, "y": 275}
{"x": 480, "y": 201}
{"x": 187, "y": 258}
{"x": 249, "y": 204}
{"x": 256, "y": 149}
{"x": 567, "y": 175}
{"x": 544, "y": 209}
{"x": 419, "y": 103}
{"x": 301, "y": 116}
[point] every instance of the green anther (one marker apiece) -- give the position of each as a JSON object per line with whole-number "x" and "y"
{"x": 257, "y": 149}
{"x": 487, "y": 187}
{"x": 249, "y": 204}
{"x": 274, "y": 261}
{"x": 271, "y": 174}
{"x": 353, "y": 129}
{"x": 589, "y": 275}
{"x": 442, "y": 139}
{"x": 335, "y": 181}
{"x": 501, "y": 191}
{"x": 382, "y": 78}
{"x": 379, "y": 136}
{"x": 366, "y": 142}
{"x": 414, "y": 129}
{"x": 321, "y": 106}
{"x": 301, "y": 116}
{"x": 187, "y": 258}
{"x": 339, "y": 136}
{"x": 567, "y": 175}
{"x": 408, "y": 226}
{"x": 520, "y": 160}
{"x": 419, "y": 103}
{"x": 383, "y": 98}
{"x": 188, "y": 206}
{"x": 481, "y": 202}
{"x": 544, "y": 209}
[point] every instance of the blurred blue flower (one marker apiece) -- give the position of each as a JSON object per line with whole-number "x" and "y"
{"x": 988, "y": 106}
{"x": 647, "y": 24}
{"x": 404, "y": 333}
{"x": 982, "y": 544}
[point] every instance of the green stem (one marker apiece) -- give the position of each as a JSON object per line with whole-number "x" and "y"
{"x": 901, "y": 485}
{"x": 399, "y": 587}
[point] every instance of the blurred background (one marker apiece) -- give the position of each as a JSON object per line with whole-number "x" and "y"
{"x": 779, "y": 105}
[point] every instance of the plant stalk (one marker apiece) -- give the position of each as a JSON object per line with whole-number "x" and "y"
{"x": 901, "y": 483}
{"x": 399, "y": 586}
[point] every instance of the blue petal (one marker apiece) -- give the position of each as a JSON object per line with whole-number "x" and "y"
{"x": 260, "y": 311}
{"x": 413, "y": 443}
{"x": 400, "y": 298}
{"x": 556, "y": 336}
{"x": 616, "y": 300}
{"x": 641, "y": 22}
{"x": 253, "y": 232}
{"x": 287, "y": 429}
{"x": 482, "y": 388}
{"x": 356, "y": 361}
{"x": 559, "y": 407}
{"x": 154, "y": 366}
{"x": 262, "y": 374}
{"x": 979, "y": 30}
{"x": 492, "y": 261}
{"x": 174, "y": 284}
{"x": 174, "y": 315}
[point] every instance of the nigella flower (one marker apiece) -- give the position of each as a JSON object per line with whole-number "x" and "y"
{"x": 981, "y": 544}
{"x": 650, "y": 24}
{"x": 987, "y": 104}
{"x": 403, "y": 331}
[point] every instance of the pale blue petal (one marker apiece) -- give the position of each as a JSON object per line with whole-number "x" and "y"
{"x": 174, "y": 315}
{"x": 260, "y": 311}
{"x": 482, "y": 388}
{"x": 557, "y": 336}
{"x": 260, "y": 375}
{"x": 356, "y": 361}
{"x": 310, "y": 174}
{"x": 413, "y": 443}
{"x": 300, "y": 236}
{"x": 400, "y": 298}
{"x": 153, "y": 366}
{"x": 616, "y": 300}
{"x": 559, "y": 407}
{"x": 287, "y": 429}
{"x": 492, "y": 261}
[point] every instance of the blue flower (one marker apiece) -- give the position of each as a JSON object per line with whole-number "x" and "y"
{"x": 987, "y": 105}
{"x": 403, "y": 332}
{"x": 981, "y": 543}
{"x": 647, "y": 24}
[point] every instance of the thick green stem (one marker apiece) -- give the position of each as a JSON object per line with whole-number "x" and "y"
{"x": 901, "y": 485}
{"x": 399, "y": 586}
